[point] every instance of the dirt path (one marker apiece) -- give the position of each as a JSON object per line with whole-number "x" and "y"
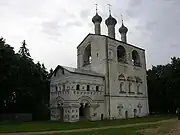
{"x": 168, "y": 128}
{"x": 86, "y": 129}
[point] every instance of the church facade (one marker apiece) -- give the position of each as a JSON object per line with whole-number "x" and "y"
{"x": 108, "y": 83}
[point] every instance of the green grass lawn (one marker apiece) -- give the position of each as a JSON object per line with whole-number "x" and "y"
{"x": 117, "y": 131}
{"x": 50, "y": 125}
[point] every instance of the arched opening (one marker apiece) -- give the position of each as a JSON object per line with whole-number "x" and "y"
{"x": 87, "y": 55}
{"x": 88, "y": 87}
{"x": 81, "y": 110}
{"x": 84, "y": 111}
{"x": 135, "y": 58}
{"x": 138, "y": 89}
{"x": 121, "y": 54}
{"x": 97, "y": 88}
{"x": 77, "y": 87}
{"x": 130, "y": 87}
{"x": 121, "y": 87}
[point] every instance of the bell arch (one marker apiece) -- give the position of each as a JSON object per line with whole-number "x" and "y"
{"x": 135, "y": 58}
{"x": 87, "y": 55}
{"x": 121, "y": 54}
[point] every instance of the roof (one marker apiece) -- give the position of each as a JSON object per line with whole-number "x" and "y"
{"x": 79, "y": 71}
{"x": 112, "y": 39}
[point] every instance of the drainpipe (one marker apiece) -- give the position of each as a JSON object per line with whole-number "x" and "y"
{"x": 107, "y": 69}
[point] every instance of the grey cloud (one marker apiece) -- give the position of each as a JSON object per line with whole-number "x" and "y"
{"x": 54, "y": 29}
{"x": 160, "y": 21}
{"x": 84, "y": 14}
{"x": 134, "y": 3}
{"x": 51, "y": 28}
{"x": 73, "y": 23}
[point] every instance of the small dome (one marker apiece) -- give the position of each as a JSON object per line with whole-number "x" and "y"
{"x": 97, "y": 18}
{"x": 123, "y": 29}
{"x": 110, "y": 21}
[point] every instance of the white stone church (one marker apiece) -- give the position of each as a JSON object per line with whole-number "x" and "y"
{"x": 108, "y": 83}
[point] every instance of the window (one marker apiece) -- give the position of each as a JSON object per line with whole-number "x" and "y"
{"x": 63, "y": 86}
{"x": 97, "y": 54}
{"x": 77, "y": 87}
{"x": 121, "y": 54}
{"x": 121, "y": 87}
{"x": 130, "y": 85}
{"x": 135, "y": 58}
{"x": 138, "y": 88}
{"x": 56, "y": 88}
{"x": 97, "y": 88}
{"x": 87, "y": 87}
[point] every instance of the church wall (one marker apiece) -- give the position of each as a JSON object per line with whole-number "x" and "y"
{"x": 119, "y": 106}
{"x": 70, "y": 82}
{"x": 80, "y": 52}
{"x": 68, "y": 94}
{"x": 127, "y": 69}
{"x": 98, "y": 51}
{"x": 98, "y": 54}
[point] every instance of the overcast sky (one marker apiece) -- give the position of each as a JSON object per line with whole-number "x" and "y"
{"x": 54, "y": 28}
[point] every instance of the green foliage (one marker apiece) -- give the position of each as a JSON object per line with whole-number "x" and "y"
{"x": 24, "y": 84}
{"x": 163, "y": 87}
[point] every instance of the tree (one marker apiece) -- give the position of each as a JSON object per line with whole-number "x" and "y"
{"x": 163, "y": 87}
{"x": 24, "y": 51}
{"x": 24, "y": 84}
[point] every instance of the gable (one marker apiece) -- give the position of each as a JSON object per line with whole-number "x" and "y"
{"x": 60, "y": 71}
{"x": 84, "y": 40}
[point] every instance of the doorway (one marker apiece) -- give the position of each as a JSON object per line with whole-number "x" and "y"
{"x": 81, "y": 110}
{"x": 84, "y": 111}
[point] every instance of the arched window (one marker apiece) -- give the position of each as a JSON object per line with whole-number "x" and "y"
{"x": 121, "y": 54}
{"x": 135, "y": 58}
{"x": 77, "y": 87}
{"x": 97, "y": 88}
{"x": 130, "y": 87}
{"x": 64, "y": 87}
{"x": 87, "y": 55}
{"x": 121, "y": 87}
{"x": 88, "y": 87}
{"x": 56, "y": 88}
{"x": 138, "y": 88}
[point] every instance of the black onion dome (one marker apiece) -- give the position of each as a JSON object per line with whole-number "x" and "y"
{"x": 97, "y": 18}
{"x": 110, "y": 21}
{"x": 123, "y": 29}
